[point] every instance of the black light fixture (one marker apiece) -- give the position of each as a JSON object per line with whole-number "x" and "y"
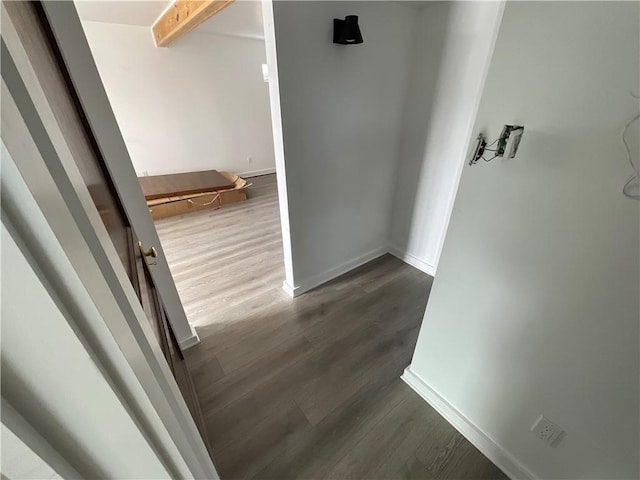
{"x": 347, "y": 32}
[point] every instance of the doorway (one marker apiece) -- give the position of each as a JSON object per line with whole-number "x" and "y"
{"x": 204, "y": 103}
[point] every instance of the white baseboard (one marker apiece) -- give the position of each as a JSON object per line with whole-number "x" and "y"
{"x": 317, "y": 280}
{"x": 189, "y": 342}
{"x": 287, "y": 287}
{"x": 494, "y": 452}
{"x": 257, "y": 173}
{"x": 412, "y": 260}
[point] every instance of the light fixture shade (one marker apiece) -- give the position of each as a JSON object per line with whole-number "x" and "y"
{"x": 347, "y": 31}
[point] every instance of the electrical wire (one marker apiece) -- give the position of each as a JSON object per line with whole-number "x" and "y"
{"x": 634, "y": 167}
{"x": 626, "y": 145}
{"x": 487, "y": 149}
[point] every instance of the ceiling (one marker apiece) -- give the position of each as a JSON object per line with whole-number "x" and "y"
{"x": 418, "y": 4}
{"x": 243, "y": 18}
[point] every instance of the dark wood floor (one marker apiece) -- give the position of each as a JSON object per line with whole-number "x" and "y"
{"x": 306, "y": 388}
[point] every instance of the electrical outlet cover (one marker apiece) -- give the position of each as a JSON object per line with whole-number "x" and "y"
{"x": 547, "y": 431}
{"x": 514, "y": 141}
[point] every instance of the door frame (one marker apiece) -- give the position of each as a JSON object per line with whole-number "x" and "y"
{"x": 67, "y": 29}
{"x": 66, "y": 236}
{"x": 69, "y": 35}
{"x": 278, "y": 142}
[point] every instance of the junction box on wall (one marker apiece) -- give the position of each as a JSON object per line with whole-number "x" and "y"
{"x": 507, "y": 144}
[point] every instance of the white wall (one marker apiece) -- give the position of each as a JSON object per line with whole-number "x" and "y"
{"x": 52, "y": 379}
{"x": 44, "y": 197}
{"x": 278, "y": 142}
{"x": 535, "y": 306}
{"x": 19, "y": 461}
{"x": 452, "y": 42}
{"x": 200, "y": 104}
{"x": 341, "y": 116}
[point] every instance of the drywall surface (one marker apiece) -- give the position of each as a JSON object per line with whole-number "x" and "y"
{"x": 451, "y": 49}
{"x": 20, "y": 461}
{"x": 49, "y": 375}
{"x": 341, "y": 118}
{"x": 278, "y": 146}
{"x": 200, "y": 104}
{"x": 535, "y": 306}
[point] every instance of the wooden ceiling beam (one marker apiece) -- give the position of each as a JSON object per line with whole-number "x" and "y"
{"x": 182, "y": 17}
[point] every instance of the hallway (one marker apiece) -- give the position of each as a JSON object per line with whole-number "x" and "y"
{"x": 309, "y": 387}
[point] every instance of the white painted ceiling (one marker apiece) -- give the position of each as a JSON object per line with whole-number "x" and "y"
{"x": 417, "y": 4}
{"x": 242, "y": 18}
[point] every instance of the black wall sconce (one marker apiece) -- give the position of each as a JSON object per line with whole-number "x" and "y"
{"x": 347, "y": 31}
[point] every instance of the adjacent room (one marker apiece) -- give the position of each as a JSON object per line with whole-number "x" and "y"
{"x": 194, "y": 113}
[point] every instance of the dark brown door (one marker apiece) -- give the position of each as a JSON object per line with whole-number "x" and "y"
{"x": 157, "y": 317}
{"x": 44, "y": 59}
{"x": 41, "y": 48}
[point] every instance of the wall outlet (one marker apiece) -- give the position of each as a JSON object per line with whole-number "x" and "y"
{"x": 547, "y": 431}
{"x": 145, "y": 173}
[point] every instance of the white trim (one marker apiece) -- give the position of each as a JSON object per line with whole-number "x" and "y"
{"x": 189, "y": 342}
{"x": 412, "y": 260}
{"x": 324, "y": 277}
{"x": 28, "y": 227}
{"x": 290, "y": 289}
{"x": 33, "y": 440}
{"x": 278, "y": 139}
{"x": 21, "y": 461}
{"x": 257, "y": 173}
{"x": 120, "y": 335}
{"x": 470, "y": 127}
{"x": 489, "y": 448}
{"x": 69, "y": 35}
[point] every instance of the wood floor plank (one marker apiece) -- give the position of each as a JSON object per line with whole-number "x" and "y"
{"x": 446, "y": 454}
{"x": 315, "y": 453}
{"x": 413, "y": 470}
{"x": 305, "y": 388}
{"x": 206, "y": 372}
{"x": 245, "y": 457}
{"x": 387, "y": 446}
{"x": 250, "y": 379}
{"x": 255, "y": 346}
{"x": 371, "y": 352}
{"x": 267, "y": 400}
{"x": 439, "y": 447}
{"x": 468, "y": 462}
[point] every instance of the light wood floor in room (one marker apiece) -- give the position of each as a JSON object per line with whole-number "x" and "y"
{"x": 306, "y": 388}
